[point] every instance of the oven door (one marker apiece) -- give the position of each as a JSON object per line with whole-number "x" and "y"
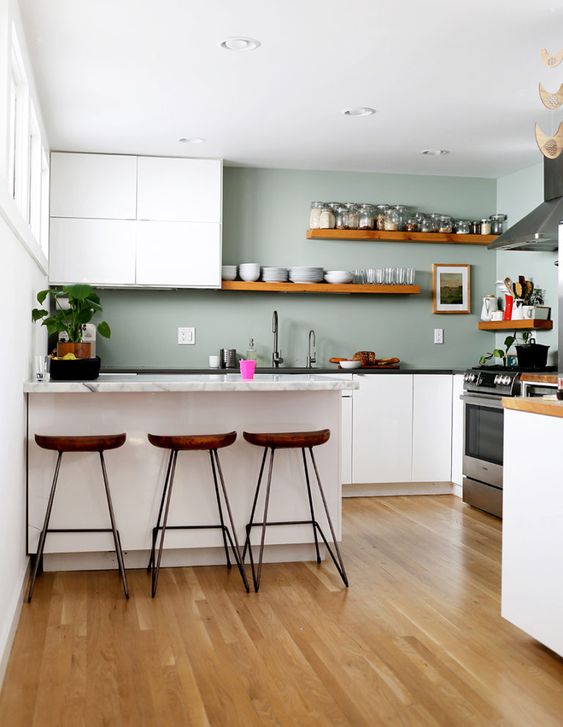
{"x": 483, "y": 439}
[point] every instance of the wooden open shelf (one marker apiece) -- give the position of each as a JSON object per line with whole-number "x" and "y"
{"x": 347, "y": 289}
{"x": 439, "y": 237}
{"x": 529, "y": 325}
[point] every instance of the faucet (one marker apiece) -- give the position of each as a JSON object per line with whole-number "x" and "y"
{"x": 276, "y": 355}
{"x": 312, "y": 354}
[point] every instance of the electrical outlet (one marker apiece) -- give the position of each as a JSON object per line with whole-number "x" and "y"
{"x": 438, "y": 335}
{"x": 186, "y": 336}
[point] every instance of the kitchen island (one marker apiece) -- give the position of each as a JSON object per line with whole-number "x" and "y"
{"x": 532, "y": 528}
{"x": 176, "y": 404}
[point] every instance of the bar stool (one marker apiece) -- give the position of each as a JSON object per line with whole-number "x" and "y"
{"x": 193, "y": 442}
{"x": 290, "y": 440}
{"x": 62, "y": 444}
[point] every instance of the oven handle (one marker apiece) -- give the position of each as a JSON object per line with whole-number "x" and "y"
{"x": 482, "y": 401}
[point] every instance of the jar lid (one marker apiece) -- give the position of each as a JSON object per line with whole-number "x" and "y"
{"x": 485, "y": 219}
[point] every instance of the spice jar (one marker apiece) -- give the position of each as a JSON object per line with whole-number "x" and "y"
{"x": 476, "y": 227}
{"x": 392, "y": 219}
{"x": 436, "y": 217}
{"x": 403, "y": 214}
{"x": 366, "y": 215}
{"x": 485, "y": 227}
{"x": 351, "y": 216}
{"x": 315, "y": 215}
{"x": 327, "y": 219}
{"x": 445, "y": 224}
{"x": 496, "y": 223}
{"x": 339, "y": 218}
{"x": 426, "y": 224}
{"x": 462, "y": 227}
{"x": 380, "y": 211}
{"x": 411, "y": 225}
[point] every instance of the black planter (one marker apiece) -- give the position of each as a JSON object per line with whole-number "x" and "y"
{"x": 532, "y": 355}
{"x": 80, "y": 369}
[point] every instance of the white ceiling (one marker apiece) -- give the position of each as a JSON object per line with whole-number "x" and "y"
{"x": 133, "y": 76}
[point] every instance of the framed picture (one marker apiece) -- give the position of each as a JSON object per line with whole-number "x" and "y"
{"x": 451, "y": 288}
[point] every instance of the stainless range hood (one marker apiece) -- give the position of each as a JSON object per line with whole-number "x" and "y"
{"x": 538, "y": 230}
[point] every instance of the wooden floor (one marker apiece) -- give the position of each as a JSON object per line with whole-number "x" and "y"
{"x": 416, "y": 640}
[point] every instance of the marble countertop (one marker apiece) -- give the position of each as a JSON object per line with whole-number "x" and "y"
{"x": 115, "y": 383}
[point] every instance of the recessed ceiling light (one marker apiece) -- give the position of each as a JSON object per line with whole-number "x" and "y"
{"x": 359, "y": 111}
{"x": 240, "y": 43}
{"x": 191, "y": 140}
{"x": 435, "y": 152}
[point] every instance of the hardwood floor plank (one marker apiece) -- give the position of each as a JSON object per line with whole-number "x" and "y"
{"x": 417, "y": 640}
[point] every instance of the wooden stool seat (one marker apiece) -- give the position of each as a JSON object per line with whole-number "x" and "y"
{"x": 287, "y": 440}
{"x": 305, "y": 441}
{"x": 95, "y": 443}
{"x": 185, "y": 442}
{"x": 89, "y": 443}
{"x": 192, "y": 442}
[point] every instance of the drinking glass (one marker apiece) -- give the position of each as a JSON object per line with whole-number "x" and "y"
{"x": 389, "y": 276}
{"x": 379, "y": 276}
{"x": 41, "y": 367}
{"x": 400, "y": 274}
{"x": 410, "y": 276}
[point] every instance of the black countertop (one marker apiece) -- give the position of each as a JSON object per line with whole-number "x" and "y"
{"x": 281, "y": 370}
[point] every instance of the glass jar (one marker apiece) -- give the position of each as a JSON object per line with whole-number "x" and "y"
{"x": 445, "y": 224}
{"x": 476, "y": 227}
{"x": 403, "y": 214}
{"x": 485, "y": 227}
{"x": 462, "y": 227}
{"x": 351, "y": 216}
{"x": 436, "y": 217}
{"x": 327, "y": 219}
{"x": 366, "y": 217}
{"x": 426, "y": 224}
{"x": 392, "y": 220}
{"x": 496, "y": 223}
{"x": 412, "y": 225}
{"x": 339, "y": 218}
{"x": 315, "y": 215}
{"x": 380, "y": 210}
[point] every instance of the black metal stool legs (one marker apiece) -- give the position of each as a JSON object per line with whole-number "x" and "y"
{"x": 311, "y": 508}
{"x": 338, "y": 563}
{"x": 43, "y": 534}
{"x": 167, "y": 485}
{"x": 235, "y": 546}
{"x": 257, "y": 572}
{"x": 253, "y": 510}
{"x": 155, "y": 530}
{"x": 116, "y": 538}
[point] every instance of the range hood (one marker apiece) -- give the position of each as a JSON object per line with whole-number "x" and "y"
{"x": 538, "y": 230}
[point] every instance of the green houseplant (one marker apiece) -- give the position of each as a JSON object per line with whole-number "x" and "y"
{"x": 74, "y": 306}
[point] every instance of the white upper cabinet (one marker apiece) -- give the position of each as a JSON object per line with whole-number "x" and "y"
{"x": 99, "y": 186}
{"x": 183, "y": 190}
{"x": 382, "y": 429}
{"x": 99, "y": 252}
{"x": 432, "y": 428}
{"x": 179, "y": 254}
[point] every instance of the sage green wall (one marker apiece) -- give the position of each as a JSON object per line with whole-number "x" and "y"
{"x": 265, "y": 218}
{"x": 518, "y": 194}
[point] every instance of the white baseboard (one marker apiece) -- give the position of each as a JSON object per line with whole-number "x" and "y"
{"x": 11, "y": 623}
{"x": 385, "y": 489}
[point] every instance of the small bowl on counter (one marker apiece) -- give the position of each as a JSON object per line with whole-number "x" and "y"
{"x": 352, "y": 364}
{"x": 338, "y": 277}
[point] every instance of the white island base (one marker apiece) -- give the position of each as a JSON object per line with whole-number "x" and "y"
{"x": 177, "y": 405}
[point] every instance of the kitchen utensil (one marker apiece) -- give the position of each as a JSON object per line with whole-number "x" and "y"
{"x": 228, "y": 358}
{"x": 247, "y": 368}
{"x": 490, "y": 306}
{"x": 346, "y": 364}
{"x": 339, "y": 276}
{"x": 508, "y": 304}
{"x": 249, "y": 272}
{"x": 41, "y": 367}
{"x": 229, "y": 272}
{"x": 214, "y": 362}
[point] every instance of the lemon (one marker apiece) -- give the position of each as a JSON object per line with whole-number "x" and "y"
{"x": 69, "y": 357}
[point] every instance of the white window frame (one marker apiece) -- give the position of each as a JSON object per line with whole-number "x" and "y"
{"x": 19, "y": 128}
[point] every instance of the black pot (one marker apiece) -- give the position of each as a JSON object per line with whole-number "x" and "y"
{"x": 532, "y": 355}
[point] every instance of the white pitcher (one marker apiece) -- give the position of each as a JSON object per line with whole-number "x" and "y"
{"x": 490, "y": 306}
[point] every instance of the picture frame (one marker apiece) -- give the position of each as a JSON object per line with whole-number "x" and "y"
{"x": 451, "y": 288}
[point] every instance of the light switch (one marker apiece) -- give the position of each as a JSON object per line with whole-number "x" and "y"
{"x": 186, "y": 336}
{"x": 438, "y": 335}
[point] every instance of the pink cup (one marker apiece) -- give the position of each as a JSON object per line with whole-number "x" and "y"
{"x": 247, "y": 368}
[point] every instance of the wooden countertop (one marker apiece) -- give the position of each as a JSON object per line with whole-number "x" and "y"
{"x": 539, "y": 378}
{"x": 535, "y": 405}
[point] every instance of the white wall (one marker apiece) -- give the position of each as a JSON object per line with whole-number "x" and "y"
{"x": 518, "y": 194}
{"x": 24, "y": 273}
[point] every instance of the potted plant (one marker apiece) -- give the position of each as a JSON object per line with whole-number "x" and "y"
{"x": 74, "y": 305}
{"x": 498, "y": 352}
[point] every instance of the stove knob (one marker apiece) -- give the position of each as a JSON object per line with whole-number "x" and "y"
{"x": 497, "y": 380}
{"x": 506, "y": 380}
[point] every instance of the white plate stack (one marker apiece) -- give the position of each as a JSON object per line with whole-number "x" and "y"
{"x": 271, "y": 274}
{"x": 306, "y": 274}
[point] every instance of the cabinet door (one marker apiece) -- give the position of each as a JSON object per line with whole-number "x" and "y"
{"x": 179, "y": 254}
{"x": 100, "y": 252}
{"x": 186, "y": 190}
{"x": 346, "y": 438}
{"x": 100, "y": 186}
{"x": 457, "y": 432}
{"x": 382, "y": 431}
{"x": 432, "y": 428}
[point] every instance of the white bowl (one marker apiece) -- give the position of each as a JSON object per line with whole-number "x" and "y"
{"x": 339, "y": 277}
{"x": 249, "y": 276}
{"x": 229, "y": 272}
{"x": 350, "y": 364}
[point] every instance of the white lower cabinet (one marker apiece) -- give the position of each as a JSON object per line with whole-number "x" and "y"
{"x": 101, "y": 252}
{"x": 432, "y": 428}
{"x": 183, "y": 254}
{"x": 457, "y": 433}
{"x": 382, "y": 428}
{"x": 346, "y": 438}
